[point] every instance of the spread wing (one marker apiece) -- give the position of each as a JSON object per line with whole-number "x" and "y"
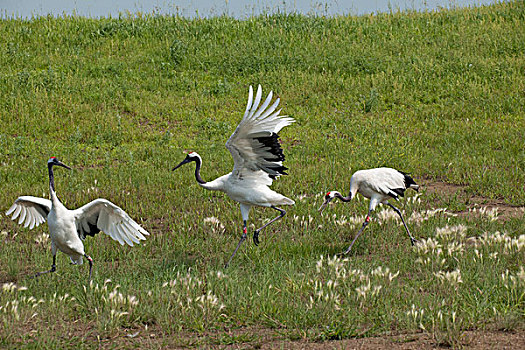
{"x": 254, "y": 145}
{"x": 102, "y": 215}
{"x": 32, "y": 210}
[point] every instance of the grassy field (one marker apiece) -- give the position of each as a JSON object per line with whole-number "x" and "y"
{"x": 437, "y": 94}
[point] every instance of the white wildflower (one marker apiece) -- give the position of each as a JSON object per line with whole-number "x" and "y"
{"x": 419, "y": 217}
{"x": 341, "y": 221}
{"x": 453, "y": 278}
{"x": 216, "y": 225}
{"x": 449, "y": 232}
{"x": 521, "y": 274}
{"x": 42, "y": 239}
{"x": 363, "y": 290}
{"x": 429, "y": 245}
{"x": 301, "y": 197}
{"x": 414, "y": 199}
{"x": 319, "y": 264}
{"x": 454, "y": 247}
{"x": 386, "y": 215}
{"x": 392, "y": 276}
{"x": 10, "y": 287}
{"x": 491, "y": 214}
{"x": 356, "y": 220}
{"x": 417, "y": 315}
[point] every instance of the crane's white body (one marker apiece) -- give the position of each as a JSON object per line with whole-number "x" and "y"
{"x": 68, "y": 228}
{"x": 379, "y": 185}
{"x": 250, "y": 190}
{"x": 62, "y": 231}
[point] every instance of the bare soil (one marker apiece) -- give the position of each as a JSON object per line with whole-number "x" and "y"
{"x": 256, "y": 338}
{"x": 446, "y": 191}
{"x": 471, "y": 340}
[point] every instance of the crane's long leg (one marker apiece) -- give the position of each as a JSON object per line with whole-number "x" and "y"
{"x": 90, "y": 260}
{"x": 412, "y": 239}
{"x": 256, "y": 232}
{"x": 243, "y": 238}
{"x": 365, "y": 224}
{"x": 53, "y": 268}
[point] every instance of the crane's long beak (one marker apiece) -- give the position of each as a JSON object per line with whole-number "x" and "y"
{"x": 321, "y": 208}
{"x": 186, "y": 160}
{"x": 63, "y": 165}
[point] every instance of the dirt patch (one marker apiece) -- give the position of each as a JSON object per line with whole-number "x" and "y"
{"x": 470, "y": 340}
{"x": 261, "y": 338}
{"x": 252, "y": 337}
{"x": 473, "y": 203}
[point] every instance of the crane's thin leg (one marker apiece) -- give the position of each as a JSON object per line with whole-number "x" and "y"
{"x": 53, "y": 268}
{"x": 256, "y": 232}
{"x": 365, "y": 224}
{"x": 90, "y": 260}
{"x": 412, "y": 239}
{"x": 243, "y": 238}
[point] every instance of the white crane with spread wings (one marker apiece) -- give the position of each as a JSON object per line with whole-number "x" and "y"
{"x": 68, "y": 228}
{"x": 258, "y": 160}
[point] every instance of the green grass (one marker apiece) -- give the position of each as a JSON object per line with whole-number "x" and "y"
{"x": 439, "y": 94}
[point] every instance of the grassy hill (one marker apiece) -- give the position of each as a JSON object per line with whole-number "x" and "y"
{"x": 438, "y": 94}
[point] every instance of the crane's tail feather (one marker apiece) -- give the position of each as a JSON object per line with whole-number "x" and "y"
{"x": 409, "y": 182}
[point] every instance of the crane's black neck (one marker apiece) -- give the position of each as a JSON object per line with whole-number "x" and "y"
{"x": 198, "y": 177}
{"x": 51, "y": 176}
{"x": 344, "y": 199}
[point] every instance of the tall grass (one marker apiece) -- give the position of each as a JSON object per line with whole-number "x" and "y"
{"x": 439, "y": 94}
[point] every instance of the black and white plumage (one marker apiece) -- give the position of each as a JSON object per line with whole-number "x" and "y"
{"x": 379, "y": 185}
{"x": 258, "y": 160}
{"x": 68, "y": 228}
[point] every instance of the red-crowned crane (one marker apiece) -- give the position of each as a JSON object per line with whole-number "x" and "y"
{"x": 258, "y": 160}
{"x": 379, "y": 185}
{"x": 68, "y": 228}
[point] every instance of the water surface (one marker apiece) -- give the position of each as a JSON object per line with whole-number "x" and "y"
{"x": 207, "y": 8}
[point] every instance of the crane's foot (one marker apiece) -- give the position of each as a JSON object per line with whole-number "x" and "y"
{"x": 414, "y": 241}
{"x": 345, "y": 252}
{"x": 256, "y": 237}
{"x": 38, "y": 274}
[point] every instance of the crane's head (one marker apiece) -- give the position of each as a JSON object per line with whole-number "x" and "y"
{"x": 190, "y": 157}
{"x": 54, "y": 161}
{"x": 327, "y": 199}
